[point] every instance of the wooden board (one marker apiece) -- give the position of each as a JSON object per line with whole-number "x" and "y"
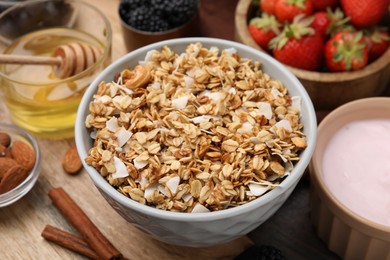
{"x": 21, "y": 223}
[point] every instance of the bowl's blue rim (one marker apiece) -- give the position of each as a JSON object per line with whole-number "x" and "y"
{"x": 292, "y": 179}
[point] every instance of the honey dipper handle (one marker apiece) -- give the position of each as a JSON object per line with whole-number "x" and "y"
{"x": 25, "y": 59}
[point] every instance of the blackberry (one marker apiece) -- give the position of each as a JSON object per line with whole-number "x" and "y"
{"x": 157, "y": 15}
{"x": 263, "y": 252}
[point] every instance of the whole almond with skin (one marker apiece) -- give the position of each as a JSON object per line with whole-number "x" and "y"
{"x": 23, "y": 154}
{"x": 5, "y": 139}
{"x": 12, "y": 178}
{"x": 4, "y": 151}
{"x": 71, "y": 161}
{"x": 5, "y": 164}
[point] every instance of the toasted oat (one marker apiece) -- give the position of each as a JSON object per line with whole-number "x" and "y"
{"x": 198, "y": 131}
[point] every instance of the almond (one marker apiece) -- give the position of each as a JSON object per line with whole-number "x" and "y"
{"x": 5, "y": 139}
{"x": 71, "y": 162}
{"x": 23, "y": 154}
{"x": 5, "y": 165}
{"x": 12, "y": 178}
{"x": 4, "y": 151}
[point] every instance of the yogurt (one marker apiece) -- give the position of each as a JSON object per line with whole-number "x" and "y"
{"x": 356, "y": 168}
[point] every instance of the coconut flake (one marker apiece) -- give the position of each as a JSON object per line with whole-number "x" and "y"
{"x": 194, "y": 71}
{"x": 207, "y": 131}
{"x": 120, "y": 167}
{"x": 163, "y": 129}
{"x": 161, "y": 188}
{"x": 139, "y": 164}
{"x": 156, "y": 85}
{"x": 215, "y": 96}
{"x": 148, "y": 57}
{"x": 123, "y": 136}
{"x": 104, "y": 99}
{"x": 180, "y": 103}
{"x": 289, "y": 167}
{"x": 265, "y": 109}
{"x": 112, "y": 124}
{"x": 230, "y": 51}
{"x": 126, "y": 90}
{"x": 273, "y": 177}
{"x": 186, "y": 197}
{"x": 296, "y": 101}
{"x": 113, "y": 89}
{"x": 150, "y": 190}
{"x": 214, "y": 49}
{"x": 284, "y": 159}
{"x": 173, "y": 183}
{"x": 179, "y": 60}
{"x": 276, "y": 93}
{"x": 255, "y": 140}
{"x": 284, "y": 123}
{"x": 258, "y": 189}
{"x": 199, "y": 208}
{"x": 195, "y": 51}
{"x": 143, "y": 181}
{"x": 203, "y": 119}
{"x": 188, "y": 81}
{"x": 264, "y": 183}
{"x": 232, "y": 90}
{"x": 245, "y": 128}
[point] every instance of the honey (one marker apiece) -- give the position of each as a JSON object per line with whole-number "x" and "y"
{"x": 36, "y": 98}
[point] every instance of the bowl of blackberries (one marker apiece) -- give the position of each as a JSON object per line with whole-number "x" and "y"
{"x": 148, "y": 21}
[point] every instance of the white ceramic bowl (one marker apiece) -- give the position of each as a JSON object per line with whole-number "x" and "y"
{"x": 200, "y": 229}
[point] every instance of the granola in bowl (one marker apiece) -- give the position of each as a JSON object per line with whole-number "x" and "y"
{"x": 197, "y": 131}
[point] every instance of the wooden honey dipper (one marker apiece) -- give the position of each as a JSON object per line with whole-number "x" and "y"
{"x": 70, "y": 59}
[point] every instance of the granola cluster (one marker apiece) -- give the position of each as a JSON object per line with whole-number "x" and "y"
{"x": 198, "y": 131}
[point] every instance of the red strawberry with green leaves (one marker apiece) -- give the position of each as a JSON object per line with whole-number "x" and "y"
{"x": 286, "y": 10}
{"x": 346, "y": 51}
{"x": 268, "y": 6}
{"x": 322, "y": 5}
{"x": 329, "y": 22}
{"x": 298, "y": 45}
{"x": 263, "y": 29}
{"x": 321, "y": 23}
{"x": 338, "y": 21}
{"x": 378, "y": 41}
{"x": 365, "y": 13}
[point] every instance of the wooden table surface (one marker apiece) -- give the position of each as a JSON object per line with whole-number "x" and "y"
{"x": 22, "y": 222}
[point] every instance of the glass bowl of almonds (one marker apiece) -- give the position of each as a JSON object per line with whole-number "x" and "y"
{"x": 19, "y": 163}
{"x": 196, "y": 141}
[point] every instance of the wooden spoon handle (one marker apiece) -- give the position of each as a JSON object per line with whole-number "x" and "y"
{"x": 21, "y": 59}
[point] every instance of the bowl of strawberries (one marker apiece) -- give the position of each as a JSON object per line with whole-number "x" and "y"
{"x": 338, "y": 49}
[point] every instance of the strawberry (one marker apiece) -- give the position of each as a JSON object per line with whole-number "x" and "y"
{"x": 329, "y": 22}
{"x": 322, "y": 5}
{"x": 378, "y": 41}
{"x": 365, "y": 13}
{"x": 286, "y": 10}
{"x": 338, "y": 21}
{"x": 268, "y": 6}
{"x": 346, "y": 51}
{"x": 263, "y": 29}
{"x": 321, "y": 23}
{"x": 298, "y": 45}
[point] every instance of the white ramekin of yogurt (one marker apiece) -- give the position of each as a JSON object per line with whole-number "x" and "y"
{"x": 350, "y": 177}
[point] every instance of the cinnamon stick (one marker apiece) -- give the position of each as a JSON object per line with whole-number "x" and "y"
{"x": 90, "y": 233}
{"x": 69, "y": 241}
